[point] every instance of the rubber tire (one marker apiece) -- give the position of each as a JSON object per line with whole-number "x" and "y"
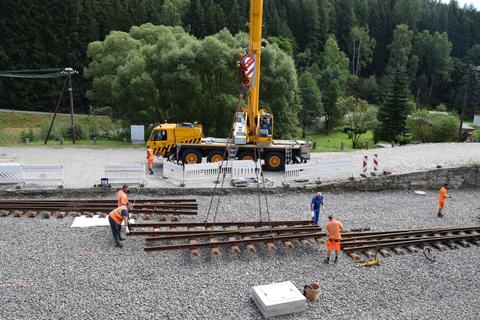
{"x": 214, "y": 153}
{"x": 269, "y": 156}
{"x": 191, "y": 151}
{"x": 246, "y": 154}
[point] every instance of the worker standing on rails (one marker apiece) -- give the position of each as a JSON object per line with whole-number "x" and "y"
{"x": 442, "y": 195}
{"x": 115, "y": 218}
{"x": 122, "y": 197}
{"x": 315, "y": 204}
{"x": 334, "y": 233}
{"x": 150, "y": 159}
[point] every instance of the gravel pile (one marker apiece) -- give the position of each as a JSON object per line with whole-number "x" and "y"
{"x": 397, "y": 160}
{"x": 49, "y": 271}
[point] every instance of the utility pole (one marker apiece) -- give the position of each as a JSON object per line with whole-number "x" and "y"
{"x": 470, "y": 68}
{"x": 69, "y": 72}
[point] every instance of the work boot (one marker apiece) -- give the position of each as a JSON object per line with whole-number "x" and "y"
{"x": 121, "y": 239}
{"x": 326, "y": 261}
{"x": 440, "y": 215}
{"x": 119, "y": 245}
{"x": 151, "y": 172}
{"x": 336, "y": 259}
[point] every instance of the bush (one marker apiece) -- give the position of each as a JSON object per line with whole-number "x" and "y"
{"x": 28, "y": 133}
{"x": 58, "y": 130}
{"x": 442, "y": 107}
{"x": 445, "y": 129}
{"x": 426, "y": 127}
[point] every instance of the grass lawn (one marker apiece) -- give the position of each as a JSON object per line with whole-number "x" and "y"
{"x": 23, "y": 120}
{"x": 78, "y": 144}
{"x": 332, "y": 142}
{"x": 13, "y": 123}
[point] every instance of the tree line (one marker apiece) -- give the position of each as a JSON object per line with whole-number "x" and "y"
{"x": 335, "y": 48}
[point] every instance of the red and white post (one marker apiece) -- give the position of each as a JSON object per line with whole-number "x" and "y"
{"x": 365, "y": 165}
{"x": 375, "y": 164}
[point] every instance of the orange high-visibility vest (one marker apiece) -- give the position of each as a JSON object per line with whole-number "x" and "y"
{"x": 122, "y": 198}
{"x": 150, "y": 154}
{"x": 117, "y": 215}
{"x": 442, "y": 194}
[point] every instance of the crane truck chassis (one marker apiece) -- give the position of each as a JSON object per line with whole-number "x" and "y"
{"x": 184, "y": 142}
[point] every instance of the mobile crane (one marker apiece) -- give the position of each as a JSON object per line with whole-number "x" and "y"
{"x": 252, "y": 128}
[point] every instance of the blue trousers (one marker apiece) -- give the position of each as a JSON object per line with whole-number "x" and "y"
{"x": 316, "y": 214}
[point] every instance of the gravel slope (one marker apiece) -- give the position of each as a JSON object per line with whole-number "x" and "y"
{"x": 49, "y": 271}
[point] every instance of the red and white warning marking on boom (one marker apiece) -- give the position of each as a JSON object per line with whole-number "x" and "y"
{"x": 247, "y": 65}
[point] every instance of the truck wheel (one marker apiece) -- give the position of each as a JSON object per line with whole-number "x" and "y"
{"x": 215, "y": 156}
{"x": 191, "y": 156}
{"x": 246, "y": 155}
{"x": 274, "y": 161}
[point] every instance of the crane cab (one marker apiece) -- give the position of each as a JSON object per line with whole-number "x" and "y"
{"x": 166, "y": 136}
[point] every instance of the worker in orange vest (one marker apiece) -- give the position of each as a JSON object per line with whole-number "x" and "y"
{"x": 122, "y": 197}
{"x": 442, "y": 195}
{"x": 334, "y": 232}
{"x": 115, "y": 218}
{"x": 150, "y": 159}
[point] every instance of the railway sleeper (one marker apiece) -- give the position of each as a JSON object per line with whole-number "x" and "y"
{"x": 288, "y": 245}
{"x": 384, "y": 252}
{"x": 61, "y": 214}
{"x": 399, "y": 251}
{"x": 452, "y": 245}
{"x": 439, "y": 246}
{"x": 18, "y": 213}
{"x": 370, "y": 254}
{"x": 412, "y": 249}
{"x": 355, "y": 257}
{"x": 4, "y": 213}
{"x": 32, "y": 213}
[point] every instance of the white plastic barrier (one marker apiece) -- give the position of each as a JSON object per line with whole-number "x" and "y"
{"x": 119, "y": 174}
{"x": 11, "y": 173}
{"x": 244, "y": 169}
{"x": 50, "y": 174}
{"x": 329, "y": 169}
{"x": 173, "y": 171}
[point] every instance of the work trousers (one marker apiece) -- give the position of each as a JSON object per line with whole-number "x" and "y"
{"x": 116, "y": 230}
{"x": 316, "y": 215}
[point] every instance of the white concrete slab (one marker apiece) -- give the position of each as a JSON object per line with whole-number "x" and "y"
{"x": 278, "y": 299}
{"x": 95, "y": 221}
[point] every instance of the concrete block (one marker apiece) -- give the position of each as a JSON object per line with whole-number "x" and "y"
{"x": 277, "y": 299}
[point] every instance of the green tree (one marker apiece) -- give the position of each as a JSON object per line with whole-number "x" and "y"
{"x": 310, "y": 101}
{"x": 359, "y": 116}
{"x": 173, "y": 11}
{"x": 435, "y": 63}
{"x": 332, "y": 79}
{"x": 401, "y": 51}
{"x": 362, "y": 49}
{"x": 395, "y": 109}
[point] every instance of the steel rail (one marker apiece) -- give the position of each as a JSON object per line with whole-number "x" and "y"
{"x": 234, "y": 242}
{"x": 93, "y": 206}
{"x": 219, "y": 224}
{"x": 101, "y": 200}
{"x": 232, "y": 233}
{"x": 403, "y": 242}
{"x": 401, "y": 234}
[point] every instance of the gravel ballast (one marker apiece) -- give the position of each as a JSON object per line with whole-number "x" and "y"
{"x": 49, "y": 271}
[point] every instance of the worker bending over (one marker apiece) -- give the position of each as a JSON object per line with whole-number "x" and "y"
{"x": 315, "y": 204}
{"x": 115, "y": 218}
{"x": 122, "y": 197}
{"x": 334, "y": 233}
{"x": 442, "y": 195}
{"x": 150, "y": 159}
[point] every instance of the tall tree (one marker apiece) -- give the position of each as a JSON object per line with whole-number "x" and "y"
{"x": 332, "y": 78}
{"x": 311, "y": 106}
{"x": 362, "y": 49}
{"x": 395, "y": 109}
{"x": 435, "y": 63}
